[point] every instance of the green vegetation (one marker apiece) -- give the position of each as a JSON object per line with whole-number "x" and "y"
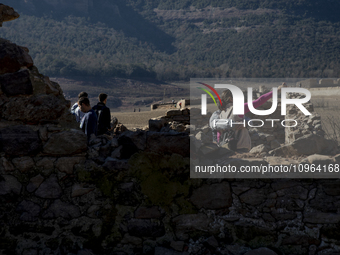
{"x": 293, "y": 39}
{"x": 152, "y": 169}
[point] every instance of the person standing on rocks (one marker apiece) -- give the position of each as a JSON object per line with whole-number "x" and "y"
{"x": 103, "y": 114}
{"x": 75, "y": 109}
{"x": 89, "y": 122}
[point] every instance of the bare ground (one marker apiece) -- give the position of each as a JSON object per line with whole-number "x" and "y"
{"x": 137, "y": 119}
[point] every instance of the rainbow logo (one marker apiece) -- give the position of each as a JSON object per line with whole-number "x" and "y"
{"x": 213, "y": 90}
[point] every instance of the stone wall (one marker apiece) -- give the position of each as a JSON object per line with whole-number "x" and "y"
{"x": 163, "y": 106}
{"x": 148, "y": 205}
{"x": 175, "y": 120}
{"x": 328, "y": 83}
{"x": 329, "y": 91}
{"x": 315, "y": 83}
{"x": 184, "y": 103}
{"x": 305, "y": 124}
{"x": 309, "y": 83}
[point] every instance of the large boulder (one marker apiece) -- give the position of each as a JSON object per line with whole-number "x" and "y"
{"x": 50, "y": 188}
{"x": 168, "y": 143}
{"x": 17, "y": 83}
{"x": 7, "y": 13}
{"x": 24, "y": 164}
{"x": 29, "y": 211}
{"x": 35, "y": 109}
{"x": 187, "y": 224}
{"x": 9, "y": 184}
{"x": 254, "y": 196}
{"x": 138, "y": 138}
{"x": 156, "y": 124}
{"x": 61, "y": 209}
{"x": 43, "y": 85}
{"x": 13, "y": 57}
{"x": 34, "y": 183}
{"x": 214, "y": 196}
{"x": 19, "y": 140}
{"x": 66, "y": 143}
{"x": 66, "y": 164}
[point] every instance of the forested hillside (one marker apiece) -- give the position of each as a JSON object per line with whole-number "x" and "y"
{"x": 177, "y": 40}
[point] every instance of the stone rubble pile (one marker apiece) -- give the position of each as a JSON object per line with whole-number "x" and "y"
{"x": 272, "y": 138}
{"x": 174, "y": 120}
{"x": 307, "y": 137}
{"x": 305, "y": 124}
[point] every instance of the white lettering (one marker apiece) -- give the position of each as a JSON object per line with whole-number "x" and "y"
{"x": 282, "y": 123}
{"x": 297, "y": 101}
{"x": 250, "y": 123}
{"x": 238, "y": 100}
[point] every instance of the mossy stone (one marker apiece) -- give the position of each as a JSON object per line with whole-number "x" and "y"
{"x": 157, "y": 179}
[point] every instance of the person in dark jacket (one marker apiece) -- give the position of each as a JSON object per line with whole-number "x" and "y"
{"x": 89, "y": 122}
{"x": 104, "y": 114}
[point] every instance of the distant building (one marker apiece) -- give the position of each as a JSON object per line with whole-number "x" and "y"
{"x": 309, "y": 83}
{"x": 183, "y": 102}
{"x": 315, "y": 83}
{"x": 327, "y": 83}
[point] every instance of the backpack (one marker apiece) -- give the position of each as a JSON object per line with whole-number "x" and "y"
{"x": 99, "y": 110}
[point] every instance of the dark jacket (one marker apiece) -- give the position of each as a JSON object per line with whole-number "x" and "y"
{"x": 89, "y": 124}
{"x": 104, "y": 117}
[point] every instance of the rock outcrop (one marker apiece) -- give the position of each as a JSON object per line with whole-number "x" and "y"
{"x": 7, "y": 13}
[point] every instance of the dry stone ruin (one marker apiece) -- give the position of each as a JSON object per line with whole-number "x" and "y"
{"x": 273, "y": 139}
{"x": 315, "y": 83}
{"x": 131, "y": 193}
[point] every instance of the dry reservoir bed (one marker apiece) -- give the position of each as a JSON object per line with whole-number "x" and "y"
{"x": 136, "y": 119}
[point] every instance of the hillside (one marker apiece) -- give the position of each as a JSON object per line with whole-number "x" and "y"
{"x": 178, "y": 40}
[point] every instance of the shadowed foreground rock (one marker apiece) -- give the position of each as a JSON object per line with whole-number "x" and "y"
{"x": 66, "y": 143}
{"x": 19, "y": 140}
{"x": 13, "y": 57}
{"x": 7, "y": 13}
